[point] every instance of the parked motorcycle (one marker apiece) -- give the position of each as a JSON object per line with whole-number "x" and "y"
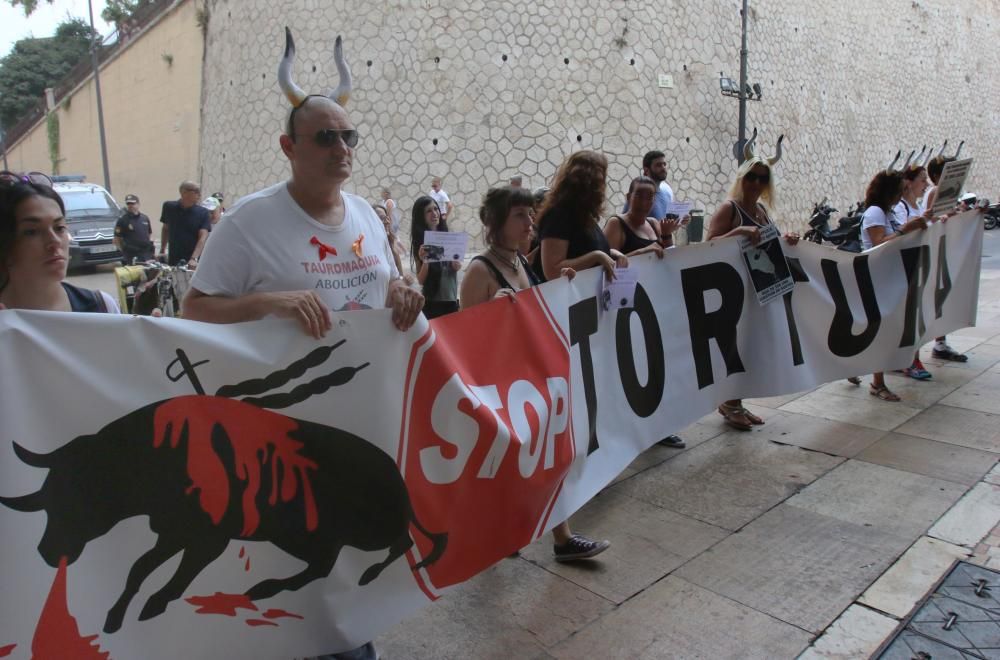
{"x": 847, "y": 235}
{"x": 991, "y": 217}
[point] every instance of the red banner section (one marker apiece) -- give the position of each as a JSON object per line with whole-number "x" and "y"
{"x": 485, "y": 447}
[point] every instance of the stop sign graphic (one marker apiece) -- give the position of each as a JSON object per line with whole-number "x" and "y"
{"x": 487, "y": 436}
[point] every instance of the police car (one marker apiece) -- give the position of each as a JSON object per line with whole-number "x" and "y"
{"x": 91, "y": 213}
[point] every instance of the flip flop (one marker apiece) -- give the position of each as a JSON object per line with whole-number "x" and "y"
{"x": 883, "y": 393}
{"x": 735, "y": 418}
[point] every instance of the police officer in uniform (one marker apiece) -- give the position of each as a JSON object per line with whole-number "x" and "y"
{"x": 133, "y": 233}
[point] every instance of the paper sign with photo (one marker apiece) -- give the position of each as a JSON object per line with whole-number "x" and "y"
{"x": 678, "y": 209}
{"x": 445, "y": 245}
{"x": 950, "y": 185}
{"x": 619, "y": 293}
{"x": 766, "y": 265}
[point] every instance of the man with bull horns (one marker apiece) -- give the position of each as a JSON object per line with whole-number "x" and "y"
{"x": 304, "y": 246}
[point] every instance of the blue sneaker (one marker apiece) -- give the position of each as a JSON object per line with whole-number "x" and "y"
{"x": 917, "y": 373}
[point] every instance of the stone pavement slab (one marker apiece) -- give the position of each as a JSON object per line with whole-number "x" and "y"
{"x": 513, "y": 610}
{"x": 870, "y": 412}
{"x": 676, "y": 619}
{"x": 818, "y": 434}
{"x": 957, "y": 426}
{"x": 981, "y": 358}
{"x": 729, "y": 480}
{"x": 982, "y": 394}
{"x": 918, "y": 393}
{"x": 892, "y": 501}
{"x": 912, "y": 576}
{"x": 776, "y": 402}
{"x": 799, "y": 566}
{"x": 972, "y": 518}
{"x": 647, "y": 543}
{"x": 857, "y": 633}
{"x": 930, "y": 458}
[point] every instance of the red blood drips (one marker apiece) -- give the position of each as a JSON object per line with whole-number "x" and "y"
{"x": 280, "y": 614}
{"x": 57, "y": 634}
{"x": 220, "y": 603}
{"x": 252, "y": 432}
{"x": 246, "y": 566}
{"x": 7, "y": 650}
{"x": 260, "y": 622}
{"x": 243, "y": 551}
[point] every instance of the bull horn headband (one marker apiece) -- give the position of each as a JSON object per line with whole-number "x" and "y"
{"x": 959, "y": 151}
{"x": 294, "y": 93}
{"x": 889, "y": 169}
{"x": 748, "y": 152}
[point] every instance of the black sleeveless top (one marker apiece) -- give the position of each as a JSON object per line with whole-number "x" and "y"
{"x": 501, "y": 280}
{"x": 633, "y": 241}
{"x": 746, "y": 220}
{"x": 85, "y": 300}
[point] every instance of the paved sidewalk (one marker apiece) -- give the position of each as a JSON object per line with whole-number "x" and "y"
{"x": 814, "y": 534}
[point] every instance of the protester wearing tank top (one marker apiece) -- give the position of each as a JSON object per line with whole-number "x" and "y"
{"x": 501, "y": 271}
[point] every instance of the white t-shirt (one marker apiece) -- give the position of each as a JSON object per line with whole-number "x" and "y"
{"x": 442, "y": 199}
{"x": 266, "y": 242}
{"x": 876, "y": 217}
{"x": 903, "y": 212}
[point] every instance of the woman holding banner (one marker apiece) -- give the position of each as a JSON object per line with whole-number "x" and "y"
{"x": 636, "y": 233}
{"x": 878, "y": 225}
{"x": 501, "y": 271}
{"x": 745, "y": 214}
{"x": 568, "y": 223}
{"x": 34, "y": 251}
{"x": 915, "y": 182}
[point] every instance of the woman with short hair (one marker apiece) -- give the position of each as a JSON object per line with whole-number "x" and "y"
{"x": 501, "y": 270}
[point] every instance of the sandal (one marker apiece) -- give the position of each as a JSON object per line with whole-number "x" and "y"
{"x": 736, "y": 417}
{"x": 883, "y": 393}
{"x": 752, "y": 418}
{"x": 854, "y": 380}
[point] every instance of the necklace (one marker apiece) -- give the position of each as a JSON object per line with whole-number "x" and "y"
{"x": 514, "y": 264}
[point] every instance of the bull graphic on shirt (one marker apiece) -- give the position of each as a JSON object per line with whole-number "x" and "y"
{"x": 209, "y": 469}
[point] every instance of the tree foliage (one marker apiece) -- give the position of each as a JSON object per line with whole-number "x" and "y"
{"x": 119, "y": 11}
{"x": 34, "y": 64}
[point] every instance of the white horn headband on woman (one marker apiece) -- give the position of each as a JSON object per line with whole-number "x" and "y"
{"x": 748, "y": 152}
{"x": 294, "y": 93}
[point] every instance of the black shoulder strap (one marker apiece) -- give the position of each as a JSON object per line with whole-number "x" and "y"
{"x": 501, "y": 280}
{"x": 528, "y": 270}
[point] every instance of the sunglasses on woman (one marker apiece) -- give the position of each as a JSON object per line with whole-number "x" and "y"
{"x": 750, "y": 177}
{"x": 38, "y": 178}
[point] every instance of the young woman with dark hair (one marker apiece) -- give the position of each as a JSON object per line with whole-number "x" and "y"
{"x": 636, "y": 233}
{"x": 915, "y": 182}
{"x": 438, "y": 278}
{"x": 34, "y": 252}
{"x": 878, "y": 225}
{"x": 501, "y": 270}
{"x": 568, "y": 224}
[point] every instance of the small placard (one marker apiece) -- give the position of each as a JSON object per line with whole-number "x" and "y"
{"x": 666, "y": 81}
{"x": 950, "y": 185}
{"x": 766, "y": 265}
{"x": 619, "y": 293}
{"x": 445, "y": 245}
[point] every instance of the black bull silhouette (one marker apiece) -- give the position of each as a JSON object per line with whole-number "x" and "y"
{"x": 96, "y": 481}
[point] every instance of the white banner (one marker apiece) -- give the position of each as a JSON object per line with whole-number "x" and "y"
{"x": 272, "y": 496}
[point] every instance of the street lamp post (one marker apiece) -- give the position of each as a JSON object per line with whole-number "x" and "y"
{"x": 743, "y": 89}
{"x": 97, "y": 90}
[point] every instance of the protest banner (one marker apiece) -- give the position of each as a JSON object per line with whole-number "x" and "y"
{"x": 272, "y": 496}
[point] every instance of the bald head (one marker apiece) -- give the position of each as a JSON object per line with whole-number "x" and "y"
{"x": 315, "y": 107}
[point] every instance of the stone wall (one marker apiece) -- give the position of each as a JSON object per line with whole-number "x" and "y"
{"x": 476, "y": 91}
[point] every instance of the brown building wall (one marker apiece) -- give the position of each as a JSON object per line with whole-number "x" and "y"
{"x": 152, "y": 110}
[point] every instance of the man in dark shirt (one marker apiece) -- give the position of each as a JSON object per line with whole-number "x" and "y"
{"x": 185, "y": 226}
{"x": 134, "y": 233}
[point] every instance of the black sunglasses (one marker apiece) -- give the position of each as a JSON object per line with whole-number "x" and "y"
{"x": 750, "y": 177}
{"x": 328, "y": 137}
{"x": 38, "y": 178}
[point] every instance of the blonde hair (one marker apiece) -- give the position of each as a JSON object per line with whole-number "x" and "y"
{"x": 767, "y": 196}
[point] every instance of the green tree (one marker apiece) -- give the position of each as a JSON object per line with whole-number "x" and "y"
{"x": 34, "y": 64}
{"x": 119, "y": 11}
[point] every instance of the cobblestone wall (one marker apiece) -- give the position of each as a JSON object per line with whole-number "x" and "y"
{"x": 476, "y": 91}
